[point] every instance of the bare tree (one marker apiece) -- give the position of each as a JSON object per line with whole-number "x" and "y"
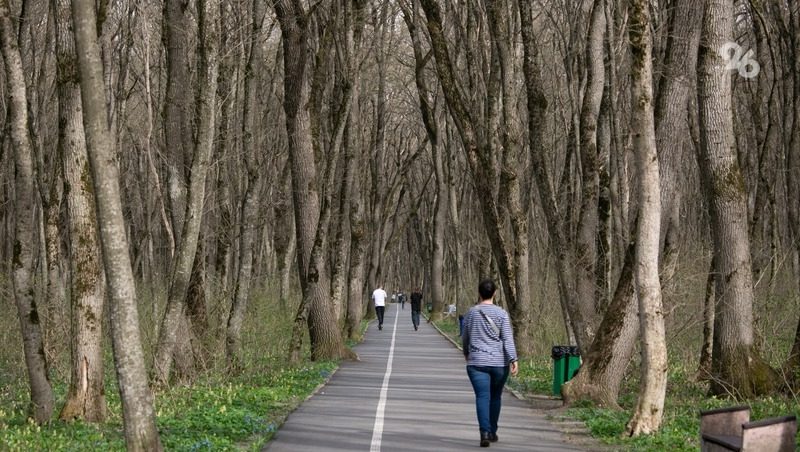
{"x": 425, "y": 94}
{"x": 139, "y": 419}
{"x": 86, "y": 397}
{"x": 42, "y": 399}
{"x": 537, "y": 104}
{"x": 736, "y": 366}
{"x": 249, "y": 210}
{"x": 653, "y": 384}
{"x": 208, "y": 11}
{"x": 671, "y": 123}
{"x": 479, "y": 148}
{"x": 308, "y": 189}
{"x": 586, "y": 243}
{"x": 178, "y": 113}
{"x": 792, "y": 364}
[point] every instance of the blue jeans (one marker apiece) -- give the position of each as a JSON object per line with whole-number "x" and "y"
{"x": 415, "y": 318}
{"x": 488, "y": 382}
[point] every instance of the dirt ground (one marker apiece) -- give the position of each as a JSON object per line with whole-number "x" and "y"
{"x": 574, "y": 431}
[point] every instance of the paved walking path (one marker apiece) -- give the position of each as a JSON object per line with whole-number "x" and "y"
{"x": 408, "y": 392}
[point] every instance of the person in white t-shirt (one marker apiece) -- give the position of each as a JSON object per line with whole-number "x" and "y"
{"x": 379, "y": 297}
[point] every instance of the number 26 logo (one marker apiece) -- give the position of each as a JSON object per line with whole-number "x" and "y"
{"x": 739, "y": 60}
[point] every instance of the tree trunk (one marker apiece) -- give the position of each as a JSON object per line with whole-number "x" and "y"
{"x": 707, "y": 349}
{"x": 511, "y": 177}
{"x": 736, "y": 367}
{"x": 605, "y": 363}
{"x": 250, "y": 205}
{"x": 177, "y": 108}
{"x": 355, "y": 295}
{"x": 141, "y": 433}
{"x": 310, "y": 224}
{"x": 208, "y": 11}
{"x": 86, "y": 396}
{"x": 479, "y": 151}
{"x": 586, "y": 239}
{"x": 577, "y": 322}
{"x": 792, "y": 364}
{"x": 653, "y": 385}
{"x": 670, "y": 117}
{"x": 56, "y": 293}
{"x": 24, "y": 245}
{"x": 441, "y": 205}
{"x": 356, "y": 270}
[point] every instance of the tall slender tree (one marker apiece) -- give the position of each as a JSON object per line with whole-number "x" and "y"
{"x": 308, "y": 192}
{"x": 736, "y": 365}
{"x": 42, "y": 399}
{"x": 653, "y": 384}
{"x": 249, "y": 209}
{"x": 86, "y": 396}
{"x": 138, "y": 414}
{"x": 209, "y": 12}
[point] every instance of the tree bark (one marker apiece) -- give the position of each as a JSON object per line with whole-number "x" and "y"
{"x": 605, "y": 363}
{"x": 86, "y": 396}
{"x": 511, "y": 178}
{"x": 141, "y": 433}
{"x": 309, "y": 212}
{"x": 649, "y": 410}
{"x": 792, "y": 364}
{"x": 177, "y": 108}
{"x": 671, "y": 123}
{"x": 537, "y": 107}
{"x": 707, "y": 348}
{"x": 479, "y": 152}
{"x": 586, "y": 239}
{"x": 42, "y": 399}
{"x": 441, "y": 203}
{"x": 736, "y": 366}
{"x": 209, "y": 14}
{"x": 250, "y": 205}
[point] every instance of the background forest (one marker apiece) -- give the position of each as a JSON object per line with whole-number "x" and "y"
{"x": 207, "y": 192}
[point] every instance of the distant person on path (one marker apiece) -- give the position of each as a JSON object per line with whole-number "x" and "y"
{"x": 402, "y": 299}
{"x": 416, "y": 307}
{"x": 379, "y": 297}
{"x": 488, "y": 344}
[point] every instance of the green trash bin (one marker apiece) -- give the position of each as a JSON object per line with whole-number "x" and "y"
{"x": 566, "y": 361}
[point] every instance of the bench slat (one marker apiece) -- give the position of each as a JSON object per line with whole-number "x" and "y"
{"x": 728, "y": 442}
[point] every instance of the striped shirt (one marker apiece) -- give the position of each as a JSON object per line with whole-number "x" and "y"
{"x": 481, "y": 345}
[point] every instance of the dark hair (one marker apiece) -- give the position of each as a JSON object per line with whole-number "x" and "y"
{"x": 486, "y": 289}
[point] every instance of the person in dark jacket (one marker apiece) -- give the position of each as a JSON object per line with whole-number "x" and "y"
{"x": 416, "y": 307}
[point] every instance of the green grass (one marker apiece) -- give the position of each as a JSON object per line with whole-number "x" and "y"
{"x": 681, "y": 423}
{"x": 217, "y": 411}
{"x": 211, "y": 415}
{"x": 685, "y": 399}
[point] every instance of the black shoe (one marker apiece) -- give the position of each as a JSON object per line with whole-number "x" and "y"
{"x": 485, "y": 439}
{"x": 415, "y": 328}
{"x": 493, "y": 437}
{"x": 380, "y": 327}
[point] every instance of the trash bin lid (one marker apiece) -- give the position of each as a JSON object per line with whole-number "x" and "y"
{"x": 559, "y": 351}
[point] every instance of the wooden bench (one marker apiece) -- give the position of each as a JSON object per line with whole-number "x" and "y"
{"x": 730, "y": 429}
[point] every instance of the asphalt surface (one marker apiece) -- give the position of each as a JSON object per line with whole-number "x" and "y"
{"x": 408, "y": 392}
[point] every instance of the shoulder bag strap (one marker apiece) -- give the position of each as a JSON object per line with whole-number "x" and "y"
{"x": 492, "y": 325}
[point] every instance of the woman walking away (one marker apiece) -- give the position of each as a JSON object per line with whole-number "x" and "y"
{"x": 488, "y": 344}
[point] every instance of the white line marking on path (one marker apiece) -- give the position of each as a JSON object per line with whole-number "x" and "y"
{"x": 377, "y": 430}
